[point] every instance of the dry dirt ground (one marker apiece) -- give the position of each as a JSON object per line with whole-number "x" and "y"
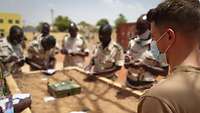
{"x": 96, "y": 97}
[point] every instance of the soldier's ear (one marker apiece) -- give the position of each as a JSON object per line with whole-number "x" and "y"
{"x": 171, "y": 34}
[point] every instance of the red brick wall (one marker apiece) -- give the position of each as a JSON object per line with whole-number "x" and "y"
{"x": 124, "y": 32}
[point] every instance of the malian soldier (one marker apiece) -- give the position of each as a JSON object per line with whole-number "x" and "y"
{"x": 11, "y": 53}
{"x": 41, "y": 54}
{"x": 107, "y": 57}
{"x": 45, "y": 31}
{"x": 139, "y": 60}
{"x": 74, "y": 48}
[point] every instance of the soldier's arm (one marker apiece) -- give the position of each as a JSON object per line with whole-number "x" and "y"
{"x": 85, "y": 51}
{"x": 33, "y": 48}
{"x": 128, "y": 61}
{"x": 108, "y": 71}
{"x": 156, "y": 70}
{"x": 63, "y": 50}
{"x": 82, "y": 54}
{"x": 51, "y": 64}
{"x": 88, "y": 67}
{"x": 33, "y": 55}
{"x": 119, "y": 62}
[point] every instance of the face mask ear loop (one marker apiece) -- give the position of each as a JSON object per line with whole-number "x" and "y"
{"x": 161, "y": 37}
{"x": 169, "y": 46}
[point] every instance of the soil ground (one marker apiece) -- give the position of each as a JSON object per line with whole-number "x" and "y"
{"x": 97, "y": 97}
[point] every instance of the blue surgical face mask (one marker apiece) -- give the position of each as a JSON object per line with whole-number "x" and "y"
{"x": 161, "y": 57}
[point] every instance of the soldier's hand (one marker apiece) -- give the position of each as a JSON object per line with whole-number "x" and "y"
{"x": 87, "y": 68}
{"x": 64, "y": 51}
{"x": 127, "y": 58}
{"x": 138, "y": 63}
{"x": 21, "y": 62}
{"x": 11, "y": 59}
{"x": 90, "y": 73}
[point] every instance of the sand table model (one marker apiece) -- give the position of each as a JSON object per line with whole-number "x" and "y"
{"x": 95, "y": 97}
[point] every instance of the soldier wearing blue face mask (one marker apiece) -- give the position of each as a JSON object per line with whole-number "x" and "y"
{"x": 141, "y": 63}
{"x": 175, "y": 27}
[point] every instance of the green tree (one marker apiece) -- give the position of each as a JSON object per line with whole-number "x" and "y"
{"x": 120, "y": 20}
{"x": 39, "y": 26}
{"x": 84, "y": 23}
{"x": 101, "y": 22}
{"x": 62, "y": 23}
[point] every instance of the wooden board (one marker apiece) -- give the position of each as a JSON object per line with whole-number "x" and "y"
{"x": 98, "y": 96}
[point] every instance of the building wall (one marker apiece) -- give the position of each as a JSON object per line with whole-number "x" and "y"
{"x": 7, "y": 20}
{"x": 124, "y": 33}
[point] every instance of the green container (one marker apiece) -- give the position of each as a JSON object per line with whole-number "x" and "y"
{"x": 64, "y": 88}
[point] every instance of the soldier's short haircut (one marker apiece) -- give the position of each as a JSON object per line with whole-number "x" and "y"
{"x": 15, "y": 30}
{"x": 181, "y": 15}
{"x": 142, "y": 24}
{"x": 107, "y": 28}
{"x": 73, "y": 26}
{"x": 45, "y": 24}
{"x": 48, "y": 42}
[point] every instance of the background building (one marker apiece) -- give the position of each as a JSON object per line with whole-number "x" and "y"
{"x": 9, "y": 19}
{"x": 125, "y": 32}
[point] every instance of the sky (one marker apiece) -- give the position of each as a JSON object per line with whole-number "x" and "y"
{"x": 35, "y": 11}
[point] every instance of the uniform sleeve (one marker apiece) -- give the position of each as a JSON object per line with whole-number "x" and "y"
{"x": 119, "y": 60}
{"x": 84, "y": 46}
{"x": 153, "y": 105}
{"x": 6, "y": 51}
{"x": 33, "y": 49}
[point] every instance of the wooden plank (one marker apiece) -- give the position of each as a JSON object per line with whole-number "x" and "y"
{"x": 14, "y": 89}
{"x": 137, "y": 93}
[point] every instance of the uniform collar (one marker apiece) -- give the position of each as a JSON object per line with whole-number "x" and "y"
{"x": 77, "y": 37}
{"x": 109, "y": 47}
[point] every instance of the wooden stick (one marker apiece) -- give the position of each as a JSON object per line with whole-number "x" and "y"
{"x": 137, "y": 93}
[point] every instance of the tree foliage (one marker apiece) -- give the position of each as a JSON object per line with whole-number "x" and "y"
{"x": 101, "y": 22}
{"x": 62, "y": 23}
{"x": 120, "y": 20}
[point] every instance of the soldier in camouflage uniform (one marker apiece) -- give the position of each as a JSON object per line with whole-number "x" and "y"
{"x": 11, "y": 53}
{"x": 74, "y": 48}
{"x": 140, "y": 62}
{"x": 45, "y": 31}
{"x": 41, "y": 54}
{"x": 107, "y": 56}
{"x": 11, "y": 56}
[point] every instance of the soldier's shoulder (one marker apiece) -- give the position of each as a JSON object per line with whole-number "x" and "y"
{"x": 4, "y": 42}
{"x": 34, "y": 43}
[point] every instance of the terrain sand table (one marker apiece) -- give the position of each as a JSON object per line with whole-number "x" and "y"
{"x": 97, "y": 96}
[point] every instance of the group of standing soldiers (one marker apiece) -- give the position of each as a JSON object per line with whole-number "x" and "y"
{"x": 142, "y": 59}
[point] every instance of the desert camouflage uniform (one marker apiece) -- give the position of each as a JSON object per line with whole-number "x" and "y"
{"x": 39, "y": 38}
{"x": 74, "y": 45}
{"x": 138, "y": 50}
{"x": 7, "y": 50}
{"x": 108, "y": 57}
{"x": 36, "y": 51}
